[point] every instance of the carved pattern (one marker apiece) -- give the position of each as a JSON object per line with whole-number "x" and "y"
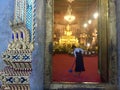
{"x": 49, "y": 3}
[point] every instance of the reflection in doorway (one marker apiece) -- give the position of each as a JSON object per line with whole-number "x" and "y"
{"x": 75, "y": 23}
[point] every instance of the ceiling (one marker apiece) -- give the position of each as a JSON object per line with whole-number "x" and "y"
{"x": 77, "y": 5}
{"x": 82, "y": 9}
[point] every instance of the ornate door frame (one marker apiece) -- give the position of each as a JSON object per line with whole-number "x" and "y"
{"x": 107, "y": 48}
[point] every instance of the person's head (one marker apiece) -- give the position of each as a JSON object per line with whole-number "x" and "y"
{"x": 73, "y": 46}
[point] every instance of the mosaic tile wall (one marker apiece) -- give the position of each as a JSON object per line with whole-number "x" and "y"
{"x": 36, "y": 78}
{"x": 6, "y": 14}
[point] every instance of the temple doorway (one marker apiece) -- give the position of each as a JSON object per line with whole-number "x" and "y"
{"x": 75, "y": 23}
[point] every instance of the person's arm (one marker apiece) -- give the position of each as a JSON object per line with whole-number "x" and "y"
{"x": 74, "y": 52}
{"x": 82, "y": 51}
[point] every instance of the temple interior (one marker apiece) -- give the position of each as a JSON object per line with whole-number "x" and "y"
{"x": 76, "y": 22}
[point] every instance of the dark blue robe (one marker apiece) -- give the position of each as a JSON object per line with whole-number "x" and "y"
{"x": 79, "y": 67}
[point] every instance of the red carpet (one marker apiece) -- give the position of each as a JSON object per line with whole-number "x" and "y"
{"x": 62, "y": 63}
